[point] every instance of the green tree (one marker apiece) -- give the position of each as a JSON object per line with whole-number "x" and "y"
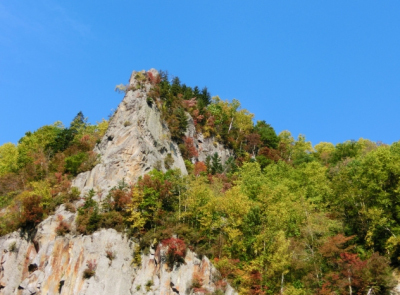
{"x": 8, "y": 158}
{"x": 267, "y": 134}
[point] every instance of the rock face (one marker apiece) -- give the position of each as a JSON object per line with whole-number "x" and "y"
{"x": 51, "y": 264}
{"x": 136, "y": 141}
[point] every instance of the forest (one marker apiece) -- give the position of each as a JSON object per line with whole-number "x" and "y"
{"x": 280, "y": 217}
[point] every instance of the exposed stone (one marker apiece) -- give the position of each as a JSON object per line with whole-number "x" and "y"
{"x": 61, "y": 261}
{"x": 128, "y": 151}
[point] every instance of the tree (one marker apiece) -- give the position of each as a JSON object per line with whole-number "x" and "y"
{"x": 348, "y": 149}
{"x": 365, "y": 191}
{"x": 32, "y": 212}
{"x": 324, "y": 151}
{"x": 267, "y": 134}
{"x": 8, "y": 158}
{"x": 215, "y": 165}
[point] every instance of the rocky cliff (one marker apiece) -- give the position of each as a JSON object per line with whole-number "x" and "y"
{"x": 137, "y": 140}
{"x": 51, "y": 264}
{"x": 102, "y": 263}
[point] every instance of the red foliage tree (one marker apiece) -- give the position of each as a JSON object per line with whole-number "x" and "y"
{"x": 253, "y": 142}
{"x": 269, "y": 154}
{"x": 176, "y": 251}
{"x": 32, "y": 212}
{"x": 197, "y": 117}
{"x": 121, "y": 199}
{"x": 190, "y": 103}
{"x": 199, "y": 168}
{"x": 189, "y": 149}
{"x": 162, "y": 187}
{"x": 153, "y": 80}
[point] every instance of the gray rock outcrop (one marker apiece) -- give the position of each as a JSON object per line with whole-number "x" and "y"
{"x": 136, "y": 141}
{"x": 51, "y": 264}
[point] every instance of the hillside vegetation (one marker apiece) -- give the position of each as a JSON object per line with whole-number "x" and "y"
{"x": 280, "y": 217}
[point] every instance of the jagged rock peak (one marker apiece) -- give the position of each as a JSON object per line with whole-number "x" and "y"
{"x": 136, "y": 141}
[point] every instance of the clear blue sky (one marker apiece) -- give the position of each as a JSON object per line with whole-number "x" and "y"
{"x": 327, "y": 69}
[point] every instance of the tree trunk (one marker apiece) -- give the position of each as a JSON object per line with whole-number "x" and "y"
{"x": 350, "y": 289}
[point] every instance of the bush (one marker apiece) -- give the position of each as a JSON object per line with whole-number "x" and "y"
{"x": 32, "y": 213}
{"x": 168, "y": 161}
{"x": 63, "y": 228}
{"x": 111, "y": 219}
{"x": 137, "y": 257}
{"x": 188, "y": 148}
{"x": 197, "y": 282}
{"x": 70, "y": 207}
{"x": 148, "y": 285}
{"x": 121, "y": 199}
{"x": 73, "y": 163}
{"x": 90, "y": 271}
{"x": 88, "y": 221}
{"x": 176, "y": 251}
{"x": 110, "y": 254}
{"x": 200, "y": 168}
{"x": 12, "y": 247}
{"x": 90, "y": 161}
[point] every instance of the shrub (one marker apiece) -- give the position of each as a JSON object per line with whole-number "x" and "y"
{"x": 197, "y": 282}
{"x": 168, "y": 161}
{"x": 121, "y": 199}
{"x": 148, "y": 285}
{"x": 73, "y": 163}
{"x": 63, "y": 228}
{"x": 110, "y": 254}
{"x": 153, "y": 79}
{"x": 89, "y": 162}
{"x": 90, "y": 271}
{"x": 127, "y": 123}
{"x": 189, "y": 166}
{"x": 200, "y": 168}
{"x": 176, "y": 251}
{"x": 188, "y": 149}
{"x": 111, "y": 219}
{"x": 32, "y": 213}
{"x": 137, "y": 257}
{"x": 12, "y": 247}
{"x": 88, "y": 221}
{"x": 70, "y": 207}
{"x": 6, "y": 199}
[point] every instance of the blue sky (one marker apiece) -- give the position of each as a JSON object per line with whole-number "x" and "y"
{"x": 327, "y": 69}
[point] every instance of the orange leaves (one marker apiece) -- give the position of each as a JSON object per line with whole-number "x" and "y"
{"x": 32, "y": 212}
{"x": 121, "y": 199}
{"x": 199, "y": 168}
{"x": 153, "y": 79}
{"x": 176, "y": 251}
{"x": 189, "y": 150}
{"x": 335, "y": 246}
